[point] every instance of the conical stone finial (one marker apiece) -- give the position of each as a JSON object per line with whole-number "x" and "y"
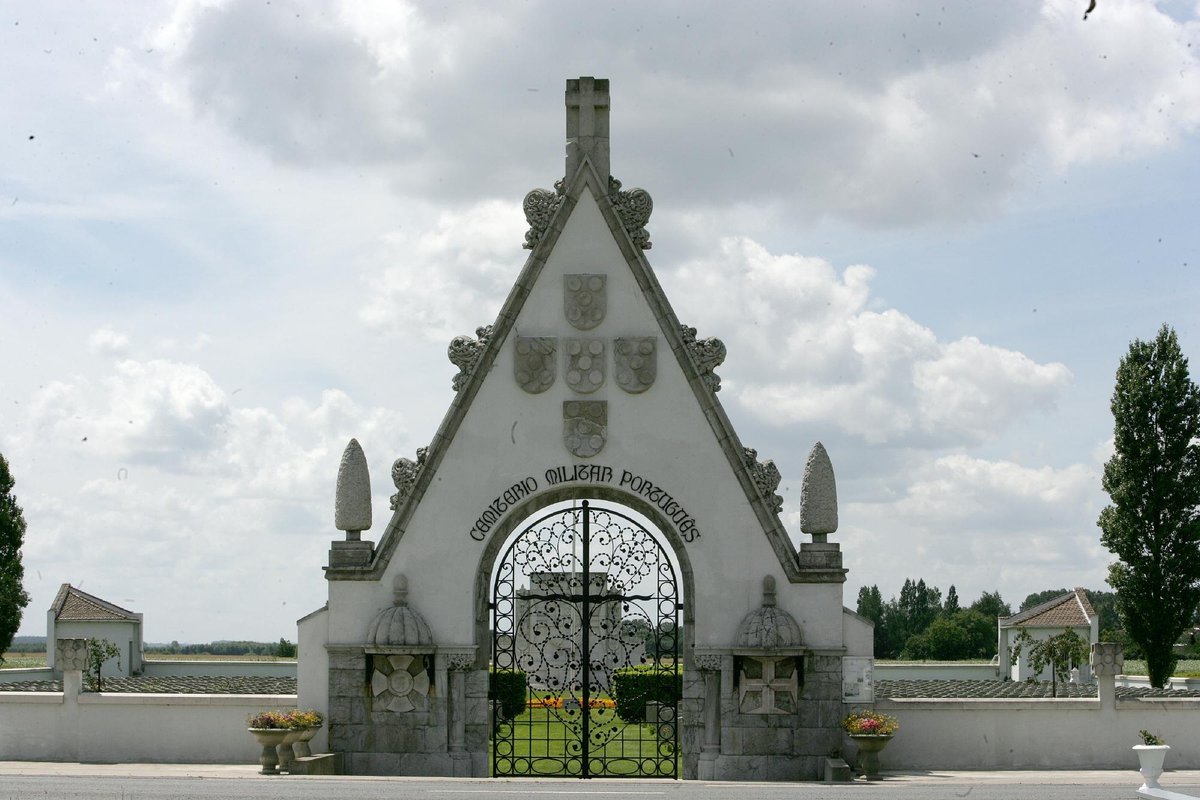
{"x": 352, "y": 506}
{"x": 768, "y": 591}
{"x": 818, "y": 495}
{"x": 400, "y": 590}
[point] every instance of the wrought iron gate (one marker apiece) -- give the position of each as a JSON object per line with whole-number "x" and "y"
{"x": 585, "y": 619}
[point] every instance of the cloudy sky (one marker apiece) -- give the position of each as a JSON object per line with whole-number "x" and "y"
{"x": 233, "y": 235}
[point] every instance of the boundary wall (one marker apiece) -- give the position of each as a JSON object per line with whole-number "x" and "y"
{"x": 990, "y": 734}
{"x": 173, "y": 728}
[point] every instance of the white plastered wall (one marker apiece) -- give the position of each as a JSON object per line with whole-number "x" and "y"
{"x": 660, "y": 435}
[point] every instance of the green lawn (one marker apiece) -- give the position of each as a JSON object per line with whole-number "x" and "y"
{"x": 539, "y": 742}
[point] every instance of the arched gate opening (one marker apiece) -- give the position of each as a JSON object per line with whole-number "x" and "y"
{"x": 586, "y": 647}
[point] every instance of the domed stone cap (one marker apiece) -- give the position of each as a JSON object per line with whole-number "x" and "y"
{"x": 398, "y": 625}
{"x": 769, "y": 626}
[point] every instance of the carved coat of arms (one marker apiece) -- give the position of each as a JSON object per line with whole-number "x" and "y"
{"x": 636, "y": 363}
{"x": 585, "y": 364}
{"x": 585, "y": 426}
{"x": 533, "y": 362}
{"x": 585, "y": 300}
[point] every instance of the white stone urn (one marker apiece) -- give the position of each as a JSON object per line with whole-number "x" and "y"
{"x": 1150, "y": 760}
{"x": 287, "y": 756}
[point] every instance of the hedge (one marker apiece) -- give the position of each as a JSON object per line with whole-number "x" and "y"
{"x": 633, "y": 687}
{"x": 509, "y": 687}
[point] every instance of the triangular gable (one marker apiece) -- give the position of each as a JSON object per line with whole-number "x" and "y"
{"x": 585, "y": 179}
{"x": 72, "y": 604}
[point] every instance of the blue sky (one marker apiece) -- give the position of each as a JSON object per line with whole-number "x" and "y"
{"x": 237, "y": 234}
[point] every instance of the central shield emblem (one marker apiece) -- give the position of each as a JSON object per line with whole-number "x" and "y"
{"x": 533, "y": 362}
{"x": 585, "y": 299}
{"x": 585, "y": 364}
{"x": 635, "y": 363}
{"x": 585, "y": 426}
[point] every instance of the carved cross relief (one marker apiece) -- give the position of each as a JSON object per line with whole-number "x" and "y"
{"x": 768, "y": 686}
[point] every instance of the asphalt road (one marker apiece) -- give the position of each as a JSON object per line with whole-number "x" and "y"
{"x": 106, "y": 787}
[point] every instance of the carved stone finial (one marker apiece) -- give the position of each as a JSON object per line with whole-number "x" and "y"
{"x": 352, "y": 504}
{"x": 708, "y": 354}
{"x": 634, "y": 208}
{"x": 405, "y": 472}
{"x": 400, "y": 590}
{"x": 768, "y": 591}
{"x": 818, "y": 495}
{"x": 464, "y": 353}
{"x": 540, "y": 206}
{"x": 587, "y": 102}
{"x": 766, "y": 477}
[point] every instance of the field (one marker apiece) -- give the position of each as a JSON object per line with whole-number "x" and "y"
{"x": 1189, "y": 668}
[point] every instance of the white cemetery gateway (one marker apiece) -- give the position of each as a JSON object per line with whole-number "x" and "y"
{"x": 584, "y": 497}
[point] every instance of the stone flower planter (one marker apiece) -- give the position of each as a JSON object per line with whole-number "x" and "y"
{"x": 287, "y": 757}
{"x": 269, "y": 739}
{"x": 301, "y": 748}
{"x": 869, "y": 746}
{"x": 1150, "y": 760}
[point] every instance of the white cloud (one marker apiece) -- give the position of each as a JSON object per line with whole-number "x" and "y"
{"x": 106, "y": 341}
{"x": 805, "y": 346}
{"x": 449, "y": 278}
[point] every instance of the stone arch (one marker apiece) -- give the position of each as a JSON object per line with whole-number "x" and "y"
{"x": 531, "y": 506}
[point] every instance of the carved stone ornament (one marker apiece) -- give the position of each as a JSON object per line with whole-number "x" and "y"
{"x": 70, "y": 654}
{"x": 708, "y": 354}
{"x": 459, "y": 659}
{"x": 464, "y": 353}
{"x": 1107, "y": 658}
{"x": 585, "y": 426}
{"x": 635, "y": 360}
{"x": 818, "y": 495}
{"x": 534, "y": 362}
{"x": 768, "y": 685}
{"x": 585, "y": 299}
{"x": 585, "y": 364}
{"x": 766, "y": 477}
{"x": 405, "y": 472}
{"x": 709, "y": 662}
{"x": 399, "y": 683}
{"x": 539, "y": 207}
{"x": 634, "y": 208}
{"x": 352, "y": 500}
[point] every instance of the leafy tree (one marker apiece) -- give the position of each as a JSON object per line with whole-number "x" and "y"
{"x": 870, "y": 605}
{"x": 285, "y": 649}
{"x": 1037, "y": 598}
{"x": 951, "y": 604}
{"x": 1153, "y": 478}
{"x": 13, "y": 597}
{"x": 920, "y": 605}
{"x": 1059, "y": 652}
{"x": 99, "y": 652}
{"x": 961, "y": 635}
{"x": 991, "y": 605}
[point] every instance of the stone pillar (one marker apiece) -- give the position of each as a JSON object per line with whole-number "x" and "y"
{"x": 1108, "y": 661}
{"x": 710, "y": 747}
{"x": 70, "y": 655}
{"x": 457, "y": 663}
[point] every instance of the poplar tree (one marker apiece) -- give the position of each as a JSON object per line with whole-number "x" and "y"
{"x": 13, "y": 598}
{"x": 1153, "y": 478}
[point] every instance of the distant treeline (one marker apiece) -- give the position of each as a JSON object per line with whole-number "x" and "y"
{"x": 283, "y": 648}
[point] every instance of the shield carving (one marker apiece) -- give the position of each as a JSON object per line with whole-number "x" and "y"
{"x": 585, "y": 299}
{"x": 585, "y": 426}
{"x": 533, "y": 362}
{"x": 585, "y": 364}
{"x": 635, "y": 363}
